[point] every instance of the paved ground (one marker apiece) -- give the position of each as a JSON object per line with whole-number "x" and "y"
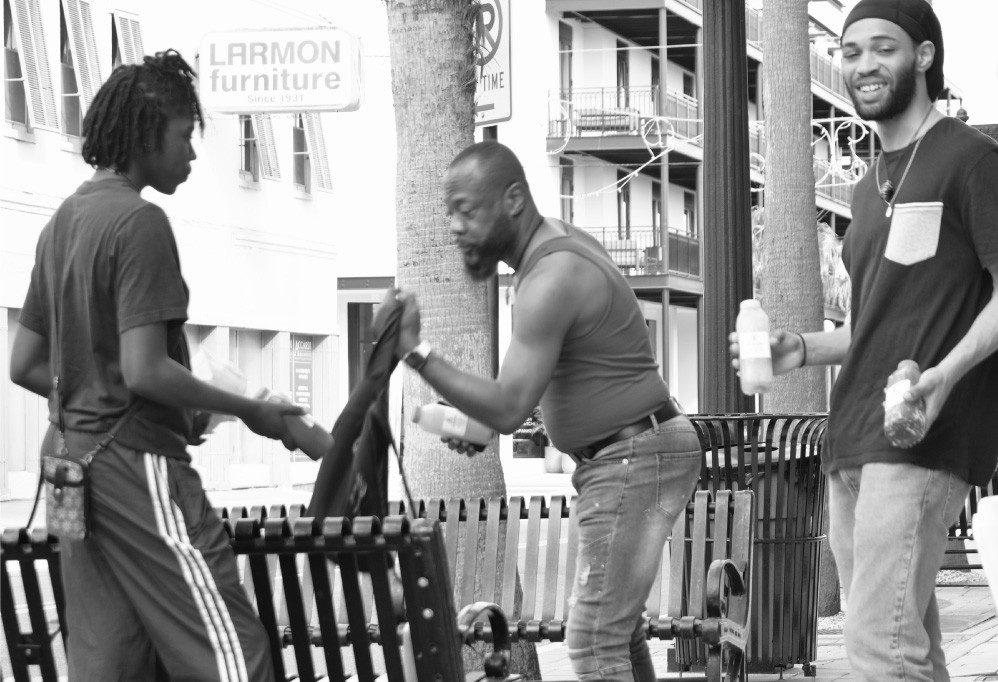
{"x": 969, "y": 616}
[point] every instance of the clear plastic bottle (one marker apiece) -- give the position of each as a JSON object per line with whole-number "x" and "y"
{"x": 450, "y": 422}
{"x": 311, "y": 438}
{"x": 755, "y": 358}
{"x": 904, "y": 421}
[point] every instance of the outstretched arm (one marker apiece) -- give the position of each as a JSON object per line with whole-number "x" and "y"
{"x": 547, "y": 304}
{"x": 790, "y": 349}
{"x": 149, "y": 372}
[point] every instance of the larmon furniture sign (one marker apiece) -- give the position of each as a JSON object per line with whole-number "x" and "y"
{"x": 272, "y": 71}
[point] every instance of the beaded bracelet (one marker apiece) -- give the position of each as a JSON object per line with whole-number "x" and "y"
{"x": 803, "y": 347}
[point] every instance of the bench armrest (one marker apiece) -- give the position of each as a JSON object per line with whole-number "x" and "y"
{"x": 496, "y": 663}
{"x": 723, "y": 571}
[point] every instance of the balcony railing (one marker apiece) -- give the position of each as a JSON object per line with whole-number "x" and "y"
{"x": 638, "y": 251}
{"x": 827, "y": 73}
{"x": 586, "y": 112}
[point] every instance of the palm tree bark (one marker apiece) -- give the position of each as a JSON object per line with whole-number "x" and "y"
{"x": 791, "y": 283}
{"x": 433, "y": 84}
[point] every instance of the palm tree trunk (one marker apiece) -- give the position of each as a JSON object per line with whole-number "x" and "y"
{"x": 433, "y": 83}
{"x": 791, "y": 284}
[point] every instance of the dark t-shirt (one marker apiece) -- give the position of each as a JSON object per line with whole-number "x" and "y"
{"x": 121, "y": 270}
{"x": 918, "y": 282}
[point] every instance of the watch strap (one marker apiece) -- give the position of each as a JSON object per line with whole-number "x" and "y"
{"x": 417, "y": 357}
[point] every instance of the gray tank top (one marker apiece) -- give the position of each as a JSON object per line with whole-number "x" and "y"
{"x": 606, "y": 377}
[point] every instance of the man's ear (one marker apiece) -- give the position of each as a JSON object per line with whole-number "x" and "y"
{"x": 515, "y": 198}
{"x": 925, "y": 55}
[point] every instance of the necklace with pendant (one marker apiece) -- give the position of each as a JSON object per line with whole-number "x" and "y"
{"x": 886, "y": 189}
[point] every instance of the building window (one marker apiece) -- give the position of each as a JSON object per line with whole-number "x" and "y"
{"x": 689, "y": 85}
{"x": 303, "y": 163}
{"x": 690, "y": 213}
{"x": 657, "y": 219}
{"x": 126, "y": 40}
{"x": 623, "y": 75}
{"x": 565, "y": 59}
{"x": 567, "y": 191}
{"x": 249, "y": 159}
{"x": 72, "y": 115}
{"x": 26, "y": 56}
{"x": 15, "y": 104}
{"x": 317, "y": 158}
{"x": 623, "y": 205}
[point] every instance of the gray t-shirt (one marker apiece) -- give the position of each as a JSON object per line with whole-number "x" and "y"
{"x": 918, "y": 282}
{"x": 120, "y": 270}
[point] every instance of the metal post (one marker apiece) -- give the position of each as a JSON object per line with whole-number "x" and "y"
{"x": 728, "y": 229}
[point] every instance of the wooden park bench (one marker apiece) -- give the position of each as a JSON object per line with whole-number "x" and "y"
{"x": 701, "y": 594}
{"x": 422, "y": 642}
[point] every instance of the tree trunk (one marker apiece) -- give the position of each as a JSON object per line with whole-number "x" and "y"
{"x": 433, "y": 84}
{"x": 791, "y": 283}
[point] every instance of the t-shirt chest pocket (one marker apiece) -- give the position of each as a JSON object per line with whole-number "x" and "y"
{"x": 914, "y": 232}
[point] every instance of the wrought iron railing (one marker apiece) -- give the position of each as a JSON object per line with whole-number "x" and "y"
{"x": 638, "y": 250}
{"x": 831, "y": 185}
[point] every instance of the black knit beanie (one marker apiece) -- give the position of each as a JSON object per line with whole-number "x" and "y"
{"x": 918, "y": 20}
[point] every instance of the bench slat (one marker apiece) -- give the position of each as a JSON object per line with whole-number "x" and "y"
{"x": 511, "y": 552}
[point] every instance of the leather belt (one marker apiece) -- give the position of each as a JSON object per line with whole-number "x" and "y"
{"x": 661, "y": 415}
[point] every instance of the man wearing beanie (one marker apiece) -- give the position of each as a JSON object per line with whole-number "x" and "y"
{"x": 922, "y": 252}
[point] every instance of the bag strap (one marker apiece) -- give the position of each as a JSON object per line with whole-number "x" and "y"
{"x": 58, "y": 276}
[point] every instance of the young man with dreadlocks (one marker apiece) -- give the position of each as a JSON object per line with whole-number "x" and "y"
{"x": 105, "y": 311}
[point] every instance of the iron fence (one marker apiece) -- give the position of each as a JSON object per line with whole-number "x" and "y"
{"x": 638, "y": 250}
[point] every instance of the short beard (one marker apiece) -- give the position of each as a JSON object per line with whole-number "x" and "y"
{"x": 897, "y": 102}
{"x": 500, "y": 242}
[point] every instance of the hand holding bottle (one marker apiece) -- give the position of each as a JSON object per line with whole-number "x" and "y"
{"x": 905, "y": 422}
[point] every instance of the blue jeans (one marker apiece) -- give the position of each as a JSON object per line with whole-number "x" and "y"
{"x": 888, "y": 526}
{"x": 630, "y": 494}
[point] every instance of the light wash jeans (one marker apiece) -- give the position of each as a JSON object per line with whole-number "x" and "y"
{"x": 630, "y": 494}
{"x": 888, "y": 525}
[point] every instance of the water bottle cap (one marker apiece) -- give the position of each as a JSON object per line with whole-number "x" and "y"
{"x": 751, "y": 303}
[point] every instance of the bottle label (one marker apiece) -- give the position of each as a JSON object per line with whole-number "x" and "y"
{"x": 894, "y": 394}
{"x": 754, "y": 345}
{"x": 455, "y": 423}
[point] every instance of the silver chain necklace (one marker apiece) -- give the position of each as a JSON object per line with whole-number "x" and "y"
{"x": 886, "y": 189}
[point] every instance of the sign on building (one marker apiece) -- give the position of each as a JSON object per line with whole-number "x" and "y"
{"x": 273, "y": 71}
{"x": 493, "y": 99}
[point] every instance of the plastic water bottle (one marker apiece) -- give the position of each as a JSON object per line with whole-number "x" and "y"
{"x": 450, "y": 422}
{"x": 904, "y": 421}
{"x": 755, "y": 357}
{"x": 310, "y": 437}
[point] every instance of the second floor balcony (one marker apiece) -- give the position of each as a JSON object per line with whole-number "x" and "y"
{"x": 638, "y": 250}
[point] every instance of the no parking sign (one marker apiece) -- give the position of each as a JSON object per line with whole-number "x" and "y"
{"x": 493, "y": 99}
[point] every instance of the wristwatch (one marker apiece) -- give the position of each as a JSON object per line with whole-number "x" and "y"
{"x": 417, "y": 357}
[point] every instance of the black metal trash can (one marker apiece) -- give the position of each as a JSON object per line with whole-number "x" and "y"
{"x": 779, "y": 458}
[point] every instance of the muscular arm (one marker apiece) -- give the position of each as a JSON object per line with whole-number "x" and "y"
{"x": 980, "y": 341}
{"x": 29, "y": 362}
{"x": 548, "y": 302}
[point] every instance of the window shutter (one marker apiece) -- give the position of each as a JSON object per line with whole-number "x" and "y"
{"x": 129, "y": 38}
{"x": 317, "y": 150}
{"x": 84, "y": 48}
{"x": 34, "y": 64}
{"x": 266, "y": 147}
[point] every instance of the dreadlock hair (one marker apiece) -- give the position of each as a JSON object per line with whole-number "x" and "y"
{"x": 132, "y": 108}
